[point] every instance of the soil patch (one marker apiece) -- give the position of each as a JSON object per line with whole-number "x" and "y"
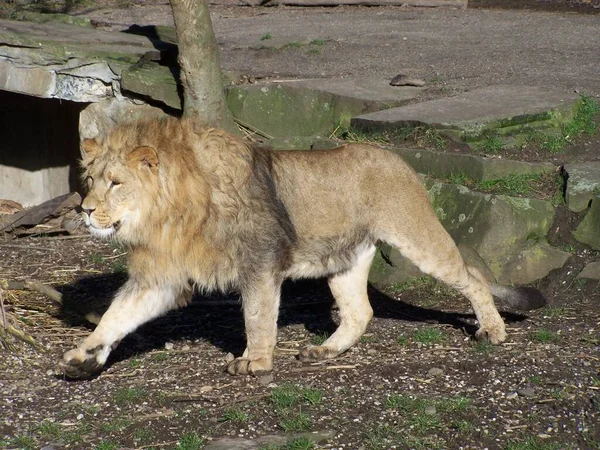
{"x": 415, "y": 380}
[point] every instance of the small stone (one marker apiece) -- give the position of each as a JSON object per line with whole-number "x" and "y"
{"x": 79, "y": 416}
{"x": 229, "y": 357}
{"x": 185, "y": 348}
{"x": 512, "y": 396}
{"x": 526, "y": 392}
{"x": 265, "y": 380}
{"x": 371, "y": 351}
{"x": 168, "y": 346}
{"x": 430, "y": 410}
{"x": 405, "y": 80}
{"x": 435, "y": 372}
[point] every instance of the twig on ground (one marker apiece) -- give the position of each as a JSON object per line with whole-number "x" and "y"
{"x": 44, "y": 289}
{"x": 253, "y": 129}
{"x": 7, "y": 329}
{"x": 2, "y": 310}
{"x": 315, "y": 368}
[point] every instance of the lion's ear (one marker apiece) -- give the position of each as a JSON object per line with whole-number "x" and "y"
{"x": 144, "y": 157}
{"x": 90, "y": 147}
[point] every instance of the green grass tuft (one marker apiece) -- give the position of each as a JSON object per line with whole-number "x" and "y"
{"x": 298, "y": 422}
{"x": 544, "y": 336}
{"x": 312, "y": 396}
{"x": 492, "y": 144}
{"x": 191, "y": 441}
{"x": 428, "y": 336}
{"x": 285, "y": 396}
{"x": 235, "y": 415}
{"x": 127, "y": 396}
{"x": 320, "y": 338}
{"x": 106, "y": 445}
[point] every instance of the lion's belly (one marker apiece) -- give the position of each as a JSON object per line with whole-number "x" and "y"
{"x": 323, "y": 257}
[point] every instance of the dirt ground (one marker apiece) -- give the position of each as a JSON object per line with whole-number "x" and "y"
{"x": 417, "y": 379}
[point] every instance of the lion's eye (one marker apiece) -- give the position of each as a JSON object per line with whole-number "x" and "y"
{"x": 112, "y": 184}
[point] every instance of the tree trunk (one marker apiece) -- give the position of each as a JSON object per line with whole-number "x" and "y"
{"x": 200, "y": 65}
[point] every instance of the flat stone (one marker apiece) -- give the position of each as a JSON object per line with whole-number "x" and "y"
{"x": 311, "y": 107}
{"x": 98, "y": 118}
{"x": 430, "y": 410}
{"x": 379, "y": 92}
{"x": 526, "y": 392}
{"x": 468, "y": 116}
{"x": 591, "y": 271}
{"x": 583, "y": 184}
{"x": 587, "y": 231}
{"x": 533, "y": 262}
{"x": 151, "y": 80}
{"x": 435, "y": 372}
{"x": 65, "y": 61}
{"x": 444, "y": 164}
{"x": 34, "y": 81}
{"x": 238, "y": 443}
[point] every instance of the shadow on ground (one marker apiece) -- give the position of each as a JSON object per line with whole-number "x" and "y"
{"x": 218, "y": 318}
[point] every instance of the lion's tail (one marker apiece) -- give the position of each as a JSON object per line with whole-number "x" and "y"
{"x": 519, "y": 298}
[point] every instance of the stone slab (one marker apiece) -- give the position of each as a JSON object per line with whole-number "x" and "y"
{"x": 153, "y": 81}
{"x": 532, "y": 262}
{"x": 60, "y": 60}
{"x": 582, "y": 185}
{"x": 591, "y": 271}
{"x": 310, "y": 107}
{"x": 34, "y": 81}
{"x": 444, "y": 164}
{"x": 373, "y": 90}
{"x": 36, "y": 35}
{"x": 588, "y": 231}
{"x": 97, "y": 119}
{"x": 470, "y": 114}
{"x": 267, "y": 441}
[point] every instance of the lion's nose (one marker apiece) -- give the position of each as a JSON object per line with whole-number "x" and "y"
{"x": 89, "y": 211}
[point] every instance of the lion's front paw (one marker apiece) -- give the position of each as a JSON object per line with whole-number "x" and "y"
{"x": 82, "y": 363}
{"x": 247, "y": 366}
{"x": 317, "y": 353}
{"x": 494, "y": 335}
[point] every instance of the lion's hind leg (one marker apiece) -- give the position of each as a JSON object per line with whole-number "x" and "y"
{"x": 132, "y": 307}
{"x": 350, "y": 292}
{"x": 434, "y": 252}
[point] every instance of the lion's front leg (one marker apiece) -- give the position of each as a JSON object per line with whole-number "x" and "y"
{"x": 133, "y": 306}
{"x": 260, "y": 299}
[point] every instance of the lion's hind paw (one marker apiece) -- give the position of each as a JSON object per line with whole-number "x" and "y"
{"x": 317, "y": 353}
{"x": 494, "y": 336}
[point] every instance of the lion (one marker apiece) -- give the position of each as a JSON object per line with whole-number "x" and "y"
{"x": 198, "y": 206}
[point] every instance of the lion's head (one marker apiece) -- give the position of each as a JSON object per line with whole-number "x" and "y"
{"x": 120, "y": 183}
{"x": 148, "y": 180}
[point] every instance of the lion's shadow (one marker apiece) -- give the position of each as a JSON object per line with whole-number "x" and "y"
{"x": 218, "y": 318}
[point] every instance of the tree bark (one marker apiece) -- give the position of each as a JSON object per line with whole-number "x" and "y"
{"x": 200, "y": 65}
